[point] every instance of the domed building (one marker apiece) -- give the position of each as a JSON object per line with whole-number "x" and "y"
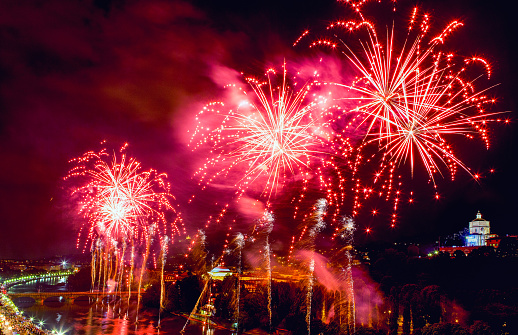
{"x": 479, "y": 236}
{"x": 479, "y": 232}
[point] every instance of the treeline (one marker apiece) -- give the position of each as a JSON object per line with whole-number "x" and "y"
{"x": 463, "y": 295}
{"x": 80, "y": 281}
{"x": 289, "y": 304}
{"x": 475, "y": 294}
{"x": 407, "y": 309}
{"x": 397, "y": 293}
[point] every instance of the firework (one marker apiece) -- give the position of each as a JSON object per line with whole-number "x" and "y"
{"x": 413, "y": 95}
{"x": 266, "y": 135}
{"x": 269, "y": 133}
{"x": 123, "y": 206}
{"x": 119, "y": 200}
{"x": 276, "y": 133}
{"x": 409, "y": 98}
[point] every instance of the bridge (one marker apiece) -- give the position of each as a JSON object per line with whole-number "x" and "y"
{"x": 72, "y": 297}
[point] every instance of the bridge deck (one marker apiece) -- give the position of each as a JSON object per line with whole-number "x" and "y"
{"x": 70, "y": 294}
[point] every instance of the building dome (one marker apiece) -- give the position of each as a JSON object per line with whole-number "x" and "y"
{"x": 479, "y": 217}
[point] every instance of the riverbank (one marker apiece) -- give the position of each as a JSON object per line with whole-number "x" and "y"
{"x": 12, "y": 320}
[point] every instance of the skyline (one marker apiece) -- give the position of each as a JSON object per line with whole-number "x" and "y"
{"x": 76, "y": 74}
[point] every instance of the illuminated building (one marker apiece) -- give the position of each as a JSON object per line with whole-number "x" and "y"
{"x": 479, "y": 236}
{"x": 220, "y": 272}
{"x": 493, "y": 242}
{"x": 479, "y": 232}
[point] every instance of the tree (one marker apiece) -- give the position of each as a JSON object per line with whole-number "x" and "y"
{"x": 432, "y": 309}
{"x": 283, "y": 299}
{"x": 198, "y": 255}
{"x": 413, "y": 251}
{"x": 255, "y": 309}
{"x": 508, "y": 247}
{"x": 151, "y": 298}
{"x": 393, "y": 311}
{"x": 406, "y": 301}
{"x": 501, "y": 316}
{"x": 182, "y": 296}
{"x": 480, "y": 328}
{"x": 226, "y": 298}
{"x": 362, "y": 330}
{"x": 443, "y": 255}
{"x": 486, "y": 251}
{"x": 444, "y": 329}
{"x": 80, "y": 281}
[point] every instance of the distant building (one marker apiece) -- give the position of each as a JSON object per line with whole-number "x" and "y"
{"x": 493, "y": 242}
{"x": 479, "y": 236}
{"x": 479, "y": 232}
{"x": 220, "y": 272}
{"x": 174, "y": 276}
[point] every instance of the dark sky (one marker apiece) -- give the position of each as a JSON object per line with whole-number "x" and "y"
{"x": 74, "y": 73}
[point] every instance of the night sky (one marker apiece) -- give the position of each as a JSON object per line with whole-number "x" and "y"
{"x": 75, "y": 73}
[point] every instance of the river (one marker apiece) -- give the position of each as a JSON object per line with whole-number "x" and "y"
{"x": 102, "y": 318}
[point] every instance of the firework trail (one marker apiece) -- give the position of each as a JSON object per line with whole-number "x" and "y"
{"x": 130, "y": 274}
{"x": 120, "y": 271}
{"x": 94, "y": 250}
{"x": 318, "y": 225}
{"x": 347, "y": 235}
{"x": 197, "y": 253}
{"x": 199, "y": 250}
{"x": 267, "y": 223}
{"x": 163, "y": 260}
{"x": 195, "y": 309}
{"x": 240, "y": 243}
{"x": 144, "y": 260}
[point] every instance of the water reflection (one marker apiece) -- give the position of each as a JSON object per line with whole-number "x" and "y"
{"x": 56, "y": 284}
{"x": 99, "y": 318}
{"x": 112, "y": 319}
